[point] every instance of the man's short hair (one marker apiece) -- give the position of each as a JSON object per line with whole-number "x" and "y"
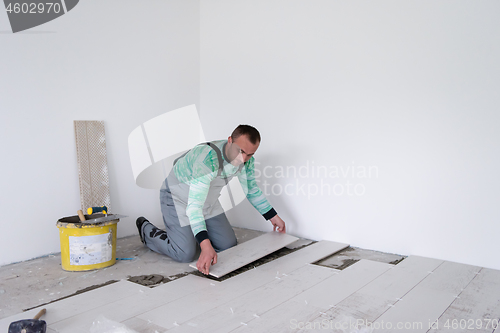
{"x": 251, "y": 132}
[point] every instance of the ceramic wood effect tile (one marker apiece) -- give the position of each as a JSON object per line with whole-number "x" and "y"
{"x": 477, "y": 309}
{"x": 247, "y": 252}
{"x": 306, "y": 306}
{"x": 427, "y": 301}
{"x": 194, "y": 305}
{"x": 231, "y": 314}
{"x": 371, "y": 301}
{"x": 74, "y": 305}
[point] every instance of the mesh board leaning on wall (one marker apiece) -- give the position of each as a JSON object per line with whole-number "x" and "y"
{"x": 92, "y": 164}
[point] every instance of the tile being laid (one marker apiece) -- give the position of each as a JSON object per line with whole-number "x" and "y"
{"x": 245, "y": 253}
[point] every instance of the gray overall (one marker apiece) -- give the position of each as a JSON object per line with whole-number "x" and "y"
{"x": 177, "y": 240}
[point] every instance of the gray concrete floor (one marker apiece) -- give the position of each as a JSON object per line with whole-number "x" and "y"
{"x": 35, "y": 282}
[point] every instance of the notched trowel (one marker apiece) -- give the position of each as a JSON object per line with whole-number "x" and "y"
{"x": 98, "y": 218}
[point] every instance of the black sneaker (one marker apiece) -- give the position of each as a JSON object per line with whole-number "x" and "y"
{"x": 140, "y": 221}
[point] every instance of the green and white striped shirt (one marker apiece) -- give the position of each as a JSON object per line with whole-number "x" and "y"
{"x": 200, "y": 166}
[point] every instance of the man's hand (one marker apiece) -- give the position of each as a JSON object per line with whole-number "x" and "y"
{"x": 207, "y": 257}
{"x": 278, "y": 223}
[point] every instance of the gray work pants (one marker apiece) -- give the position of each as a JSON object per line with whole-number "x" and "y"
{"x": 178, "y": 242}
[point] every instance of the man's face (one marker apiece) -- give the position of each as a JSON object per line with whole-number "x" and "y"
{"x": 241, "y": 149}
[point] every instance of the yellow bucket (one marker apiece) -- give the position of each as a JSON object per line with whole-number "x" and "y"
{"x": 86, "y": 246}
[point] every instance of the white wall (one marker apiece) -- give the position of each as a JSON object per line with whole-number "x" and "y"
{"x": 122, "y": 62}
{"x": 408, "y": 87}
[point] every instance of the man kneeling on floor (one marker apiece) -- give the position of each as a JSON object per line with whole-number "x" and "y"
{"x": 189, "y": 201}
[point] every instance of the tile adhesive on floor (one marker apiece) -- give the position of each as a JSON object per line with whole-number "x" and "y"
{"x": 351, "y": 255}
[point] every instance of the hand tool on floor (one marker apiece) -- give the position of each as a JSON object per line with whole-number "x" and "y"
{"x": 98, "y": 218}
{"x": 93, "y": 210}
{"x": 34, "y": 325}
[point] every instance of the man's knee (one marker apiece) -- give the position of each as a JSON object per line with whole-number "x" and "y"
{"x": 226, "y": 243}
{"x": 186, "y": 255}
